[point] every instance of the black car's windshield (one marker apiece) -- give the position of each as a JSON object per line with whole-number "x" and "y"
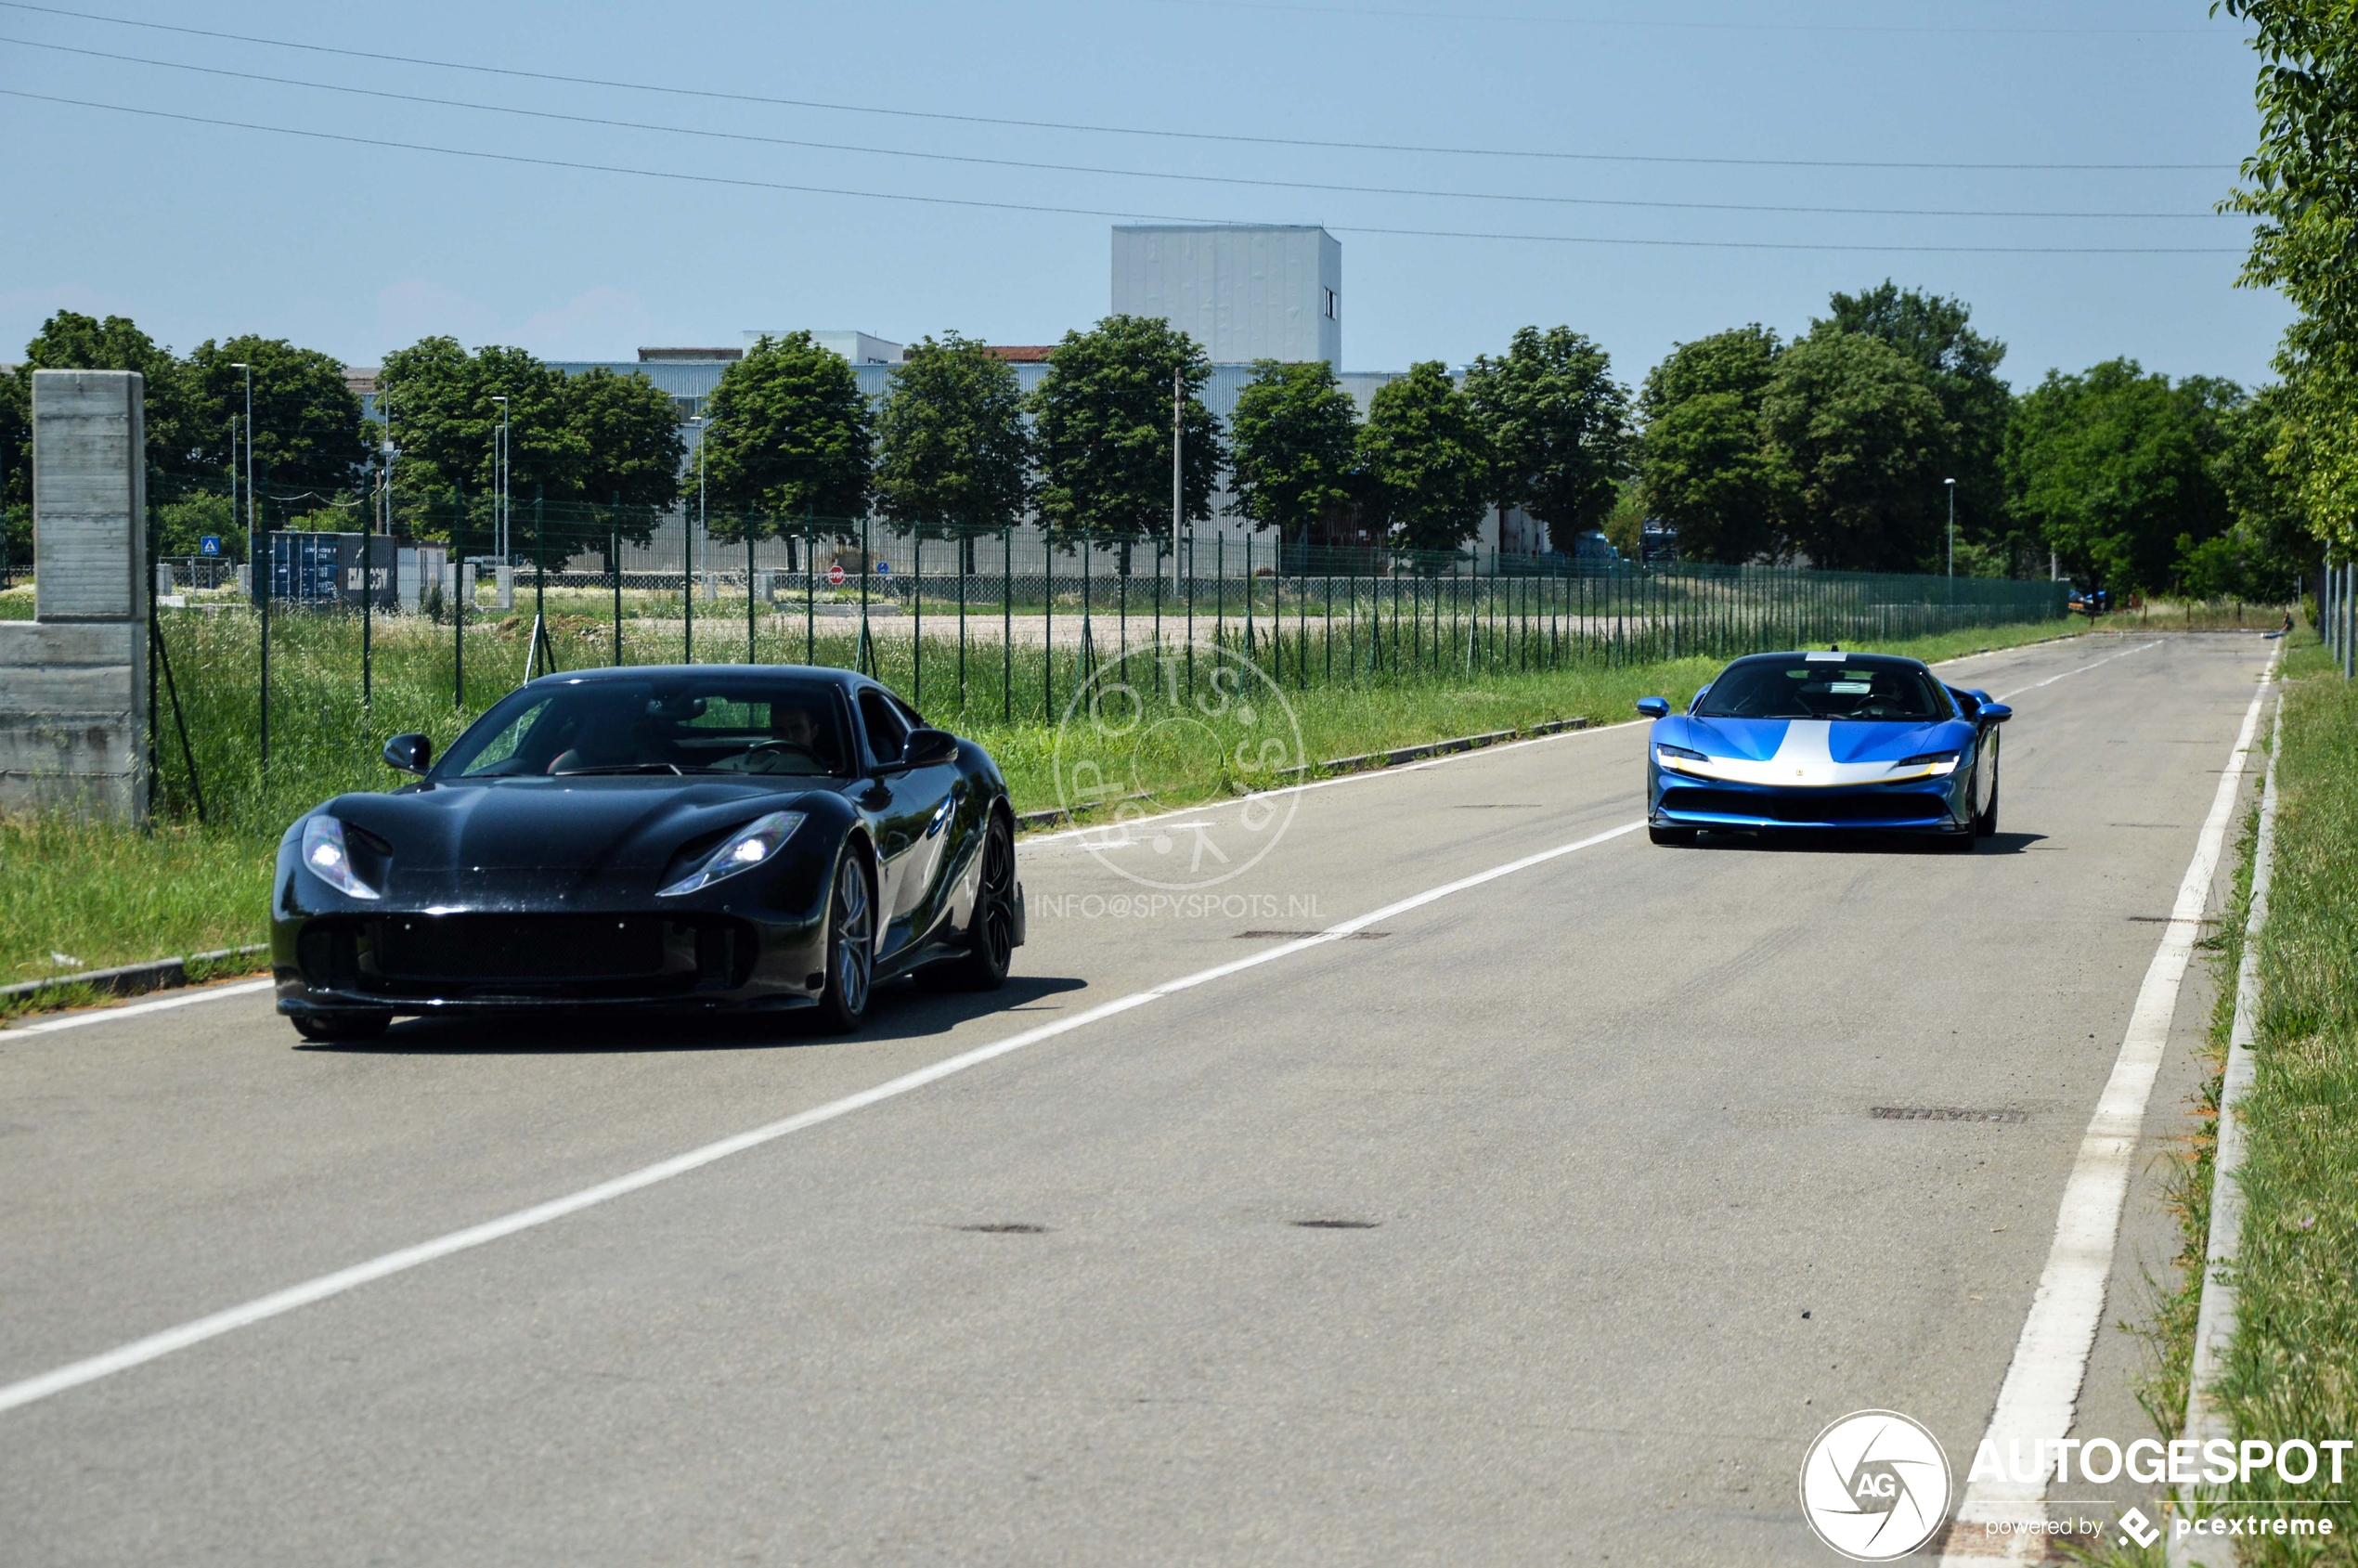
{"x": 685, "y": 723}
{"x": 1821, "y": 687}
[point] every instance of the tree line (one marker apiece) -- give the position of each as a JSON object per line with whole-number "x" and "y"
{"x": 1837, "y": 447}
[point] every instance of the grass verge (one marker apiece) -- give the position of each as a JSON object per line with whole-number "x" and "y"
{"x": 2291, "y": 1370}
{"x": 100, "y": 895}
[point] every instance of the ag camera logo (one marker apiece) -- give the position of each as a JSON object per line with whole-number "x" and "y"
{"x": 1874, "y": 1485}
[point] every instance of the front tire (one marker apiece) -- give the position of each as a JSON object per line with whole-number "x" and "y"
{"x": 321, "y": 1027}
{"x": 993, "y": 951}
{"x": 1986, "y": 822}
{"x": 1670, "y": 834}
{"x": 851, "y": 945}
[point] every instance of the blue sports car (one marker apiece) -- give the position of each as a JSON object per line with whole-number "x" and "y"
{"x": 1825, "y": 739}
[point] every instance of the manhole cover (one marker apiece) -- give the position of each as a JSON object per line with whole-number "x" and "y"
{"x": 1338, "y": 1224}
{"x": 1945, "y": 1113}
{"x": 1007, "y": 1228}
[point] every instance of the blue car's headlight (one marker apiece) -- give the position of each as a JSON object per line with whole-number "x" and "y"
{"x": 1939, "y": 761}
{"x": 325, "y": 856}
{"x": 1672, "y": 755}
{"x": 743, "y": 849}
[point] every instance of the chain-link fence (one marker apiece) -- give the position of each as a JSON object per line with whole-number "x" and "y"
{"x": 270, "y": 681}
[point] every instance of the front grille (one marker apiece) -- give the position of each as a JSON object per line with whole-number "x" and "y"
{"x": 1890, "y": 805}
{"x": 519, "y": 947}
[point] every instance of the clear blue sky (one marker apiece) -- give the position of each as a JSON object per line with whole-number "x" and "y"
{"x": 198, "y": 230}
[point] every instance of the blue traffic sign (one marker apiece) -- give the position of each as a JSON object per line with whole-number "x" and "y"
{"x": 884, "y": 568}
{"x": 208, "y": 545}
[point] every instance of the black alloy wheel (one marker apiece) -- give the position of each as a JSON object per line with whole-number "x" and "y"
{"x": 986, "y": 964}
{"x": 851, "y": 945}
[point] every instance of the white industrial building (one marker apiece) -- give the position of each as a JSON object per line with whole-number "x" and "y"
{"x": 1247, "y": 292}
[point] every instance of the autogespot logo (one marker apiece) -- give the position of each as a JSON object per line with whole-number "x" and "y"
{"x": 1874, "y": 1485}
{"x": 1167, "y": 728}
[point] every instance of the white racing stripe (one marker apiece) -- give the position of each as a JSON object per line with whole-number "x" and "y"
{"x": 2041, "y": 1394}
{"x": 139, "y": 1352}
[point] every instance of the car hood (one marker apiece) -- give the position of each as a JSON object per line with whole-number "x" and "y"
{"x": 578, "y": 826}
{"x": 1808, "y": 753}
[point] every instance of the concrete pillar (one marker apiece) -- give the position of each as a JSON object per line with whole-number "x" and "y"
{"x": 73, "y": 681}
{"x": 505, "y": 575}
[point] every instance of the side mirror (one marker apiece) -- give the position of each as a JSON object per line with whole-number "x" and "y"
{"x": 1653, "y": 707}
{"x": 412, "y": 753}
{"x": 930, "y": 748}
{"x": 1996, "y": 713}
{"x": 1968, "y": 702}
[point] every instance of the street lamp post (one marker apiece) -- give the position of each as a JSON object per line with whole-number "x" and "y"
{"x": 499, "y": 483}
{"x": 1952, "y": 525}
{"x": 253, "y": 562}
{"x": 696, "y": 556}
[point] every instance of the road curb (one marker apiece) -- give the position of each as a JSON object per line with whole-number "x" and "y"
{"x": 2215, "y": 1319}
{"x": 1367, "y": 761}
{"x": 130, "y": 979}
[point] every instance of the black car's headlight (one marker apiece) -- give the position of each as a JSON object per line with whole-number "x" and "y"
{"x": 1672, "y": 755}
{"x": 742, "y": 850}
{"x": 326, "y": 858}
{"x": 1939, "y": 761}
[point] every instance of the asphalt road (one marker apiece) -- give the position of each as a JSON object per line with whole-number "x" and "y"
{"x": 1620, "y": 1228}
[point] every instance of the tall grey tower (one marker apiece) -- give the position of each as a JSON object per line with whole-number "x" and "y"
{"x": 1244, "y": 292}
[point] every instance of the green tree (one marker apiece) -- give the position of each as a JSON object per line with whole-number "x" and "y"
{"x": 790, "y": 434}
{"x": 1557, "y": 426}
{"x": 16, "y": 468}
{"x": 1102, "y": 428}
{"x": 444, "y": 420}
{"x": 307, "y": 429}
{"x": 1427, "y": 462}
{"x": 2301, "y": 183}
{"x": 1705, "y": 466}
{"x": 627, "y": 430}
{"x": 2116, "y": 471}
{"x": 954, "y": 455}
{"x": 1295, "y": 433}
{"x": 1858, "y": 426}
{"x": 1933, "y": 332}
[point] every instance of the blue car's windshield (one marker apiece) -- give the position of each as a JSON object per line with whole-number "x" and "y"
{"x": 1822, "y": 688}
{"x": 718, "y": 723}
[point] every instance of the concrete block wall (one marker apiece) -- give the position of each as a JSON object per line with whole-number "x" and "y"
{"x": 74, "y": 681}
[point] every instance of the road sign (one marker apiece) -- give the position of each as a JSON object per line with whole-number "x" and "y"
{"x": 884, "y": 568}
{"x": 208, "y": 545}
{"x": 835, "y": 577}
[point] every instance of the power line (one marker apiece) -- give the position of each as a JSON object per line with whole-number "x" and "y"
{"x": 1522, "y": 197}
{"x": 1389, "y": 13}
{"x": 717, "y": 95}
{"x": 1108, "y": 212}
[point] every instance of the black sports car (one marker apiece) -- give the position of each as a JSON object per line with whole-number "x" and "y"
{"x": 705, "y": 836}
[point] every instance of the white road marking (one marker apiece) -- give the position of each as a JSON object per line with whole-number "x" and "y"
{"x": 2008, "y": 696}
{"x": 106, "y": 1015}
{"x": 2041, "y": 1393}
{"x": 153, "y": 1347}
